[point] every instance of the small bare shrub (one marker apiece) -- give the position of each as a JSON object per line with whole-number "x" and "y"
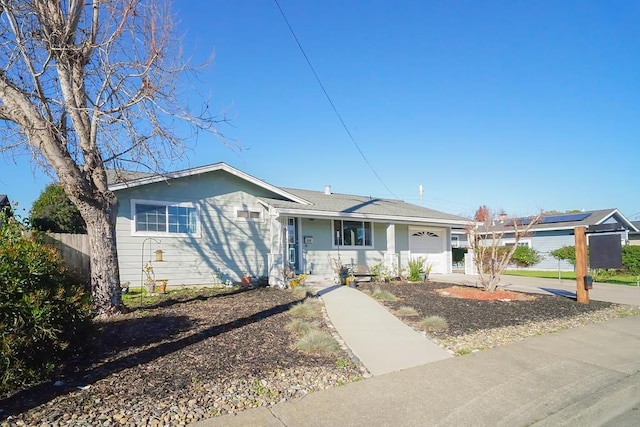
{"x": 406, "y": 311}
{"x": 433, "y": 324}
{"x": 317, "y": 341}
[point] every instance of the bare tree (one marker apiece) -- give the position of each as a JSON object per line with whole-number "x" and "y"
{"x": 486, "y": 241}
{"x": 87, "y": 85}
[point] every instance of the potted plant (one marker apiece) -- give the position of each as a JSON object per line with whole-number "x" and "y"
{"x": 425, "y": 272}
{"x": 246, "y": 279}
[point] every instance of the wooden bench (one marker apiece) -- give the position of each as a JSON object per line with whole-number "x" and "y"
{"x": 361, "y": 273}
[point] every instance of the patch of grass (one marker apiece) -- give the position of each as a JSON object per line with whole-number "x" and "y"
{"x": 617, "y": 279}
{"x": 406, "y": 311}
{"x": 316, "y": 341}
{"x": 463, "y": 351}
{"x": 382, "y": 295}
{"x": 344, "y": 362}
{"x": 300, "y": 326}
{"x": 137, "y": 297}
{"x": 433, "y": 324}
{"x": 310, "y": 308}
{"x": 302, "y": 291}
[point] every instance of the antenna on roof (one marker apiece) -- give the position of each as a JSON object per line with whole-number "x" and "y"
{"x": 421, "y": 193}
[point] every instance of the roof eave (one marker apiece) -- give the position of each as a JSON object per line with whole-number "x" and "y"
{"x": 306, "y": 213}
{"x": 205, "y": 169}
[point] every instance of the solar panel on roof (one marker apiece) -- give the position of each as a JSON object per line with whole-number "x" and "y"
{"x": 552, "y": 219}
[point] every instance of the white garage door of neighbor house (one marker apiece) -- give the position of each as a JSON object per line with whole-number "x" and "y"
{"x": 429, "y": 244}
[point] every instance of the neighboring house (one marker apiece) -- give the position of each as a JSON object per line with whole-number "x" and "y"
{"x": 634, "y": 236}
{"x": 556, "y": 231}
{"x": 216, "y": 223}
{"x": 5, "y": 204}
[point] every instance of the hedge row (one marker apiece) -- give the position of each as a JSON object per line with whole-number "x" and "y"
{"x": 44, "y": 310}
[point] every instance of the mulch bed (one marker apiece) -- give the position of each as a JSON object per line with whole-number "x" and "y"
{"x": 468, "y": 309}
{"x": 187, "y": 358}
{"x": 170, "y": 352}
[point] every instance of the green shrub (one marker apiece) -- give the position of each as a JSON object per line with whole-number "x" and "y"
{"x": 565, "y": 253}
{"x": 381, "y": 273}
{"x": 631, "y": 259}
{"x": 43, "y": 310}
{"x": 524, "y": 256}
{"x": 416, "y": 268}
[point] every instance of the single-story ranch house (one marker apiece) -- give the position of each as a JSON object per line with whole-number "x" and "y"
{"x": 216, "y": 223}
{"x": 556, "y": 231}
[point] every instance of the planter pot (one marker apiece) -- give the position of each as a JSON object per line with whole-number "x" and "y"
{"x": 161, "y": 286}
{"x": 150, "y": 286}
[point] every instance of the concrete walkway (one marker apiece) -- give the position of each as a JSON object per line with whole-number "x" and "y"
{"x": 588, "y": 376}
{"x": 381, "y": 341}
{"x": 620, "y": 294}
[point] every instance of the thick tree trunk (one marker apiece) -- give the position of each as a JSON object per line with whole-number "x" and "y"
{"x": 105, "y": 274}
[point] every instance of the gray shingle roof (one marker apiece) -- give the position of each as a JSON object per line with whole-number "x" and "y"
{"x": 119, "y": 176}
{"x": 593, "y": 217}
{"x": 363, "y": 205}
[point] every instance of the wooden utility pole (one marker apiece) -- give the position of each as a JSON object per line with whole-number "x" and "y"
{"x": 582, "y": 294}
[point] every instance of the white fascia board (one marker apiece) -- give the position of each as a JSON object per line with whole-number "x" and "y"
{"x": 371, "y": 217}
{"x": 624, "y": 219}
{"x": 204, "y": 169}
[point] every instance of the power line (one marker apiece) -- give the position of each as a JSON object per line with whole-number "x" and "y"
{"x": 326, "y": 94}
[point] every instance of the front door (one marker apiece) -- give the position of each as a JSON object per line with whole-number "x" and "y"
{"x": 293, "y": 244}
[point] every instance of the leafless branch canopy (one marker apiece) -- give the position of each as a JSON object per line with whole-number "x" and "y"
{"x": 486, "y": 241}
{"x": 88, "y": 84}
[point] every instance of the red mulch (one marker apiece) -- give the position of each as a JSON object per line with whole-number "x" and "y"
{"x": 482, "y": 295}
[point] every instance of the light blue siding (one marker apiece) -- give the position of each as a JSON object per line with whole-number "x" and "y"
{"x": 319, "y": 256}
{"x": 225, "y": 246}
{"x": 545, "y": 242}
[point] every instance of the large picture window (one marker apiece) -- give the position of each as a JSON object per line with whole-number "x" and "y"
{"x": 164, "y": 218}
{"x": 352, "y": 233}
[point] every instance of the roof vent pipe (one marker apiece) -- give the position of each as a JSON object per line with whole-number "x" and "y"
{"x": 327, "y": 189}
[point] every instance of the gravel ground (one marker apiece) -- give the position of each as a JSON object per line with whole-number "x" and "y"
{"x": 475, "y": 324}
{"x": 194, "y": 356}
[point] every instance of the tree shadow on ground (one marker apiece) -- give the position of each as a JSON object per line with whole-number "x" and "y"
{"x": 173, "y": 300}
{"x": 93, "y": 367}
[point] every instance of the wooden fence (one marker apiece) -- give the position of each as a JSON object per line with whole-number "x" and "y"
{"x": 74, "y": 249}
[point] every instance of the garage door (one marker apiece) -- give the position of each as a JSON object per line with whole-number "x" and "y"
{"x": 429, "y": 244}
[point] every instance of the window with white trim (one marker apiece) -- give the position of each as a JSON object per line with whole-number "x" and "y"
{"x": 248, "y": 215}
{"x": 526, "y": 243}
{"x": 165, "y": 218}
{"x": 455, "y": 241}
{"x": 352, "y": 233}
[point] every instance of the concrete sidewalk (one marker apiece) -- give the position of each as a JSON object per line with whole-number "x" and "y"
{"x": 619, "y": 294}
{"x": 586, "y": 376}
{"x": 381, "y": 341}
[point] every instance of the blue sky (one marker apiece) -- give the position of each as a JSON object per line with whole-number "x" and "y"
{"x": 515, "y": 105}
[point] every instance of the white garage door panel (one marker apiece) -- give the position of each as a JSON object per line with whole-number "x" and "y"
{"x": 429, "y": 244}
